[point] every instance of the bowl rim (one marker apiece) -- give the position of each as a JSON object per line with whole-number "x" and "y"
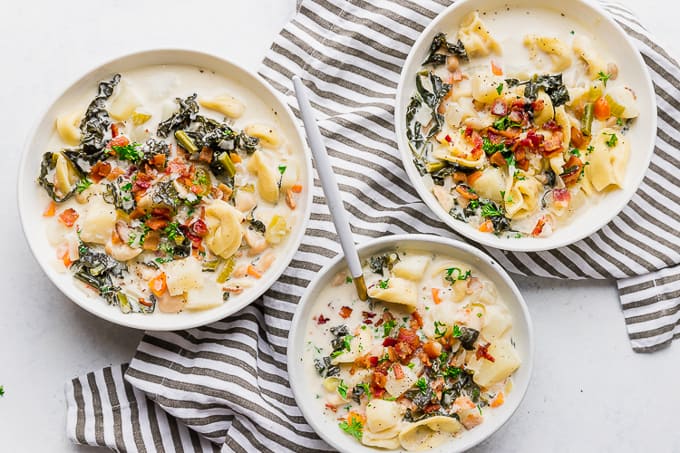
{"x": 526, "y": 244}
{"x": 297, "y": 325}
{"x": 145, "y": 322}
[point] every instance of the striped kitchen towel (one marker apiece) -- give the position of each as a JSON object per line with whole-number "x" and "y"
{"x": 225, "y": 385}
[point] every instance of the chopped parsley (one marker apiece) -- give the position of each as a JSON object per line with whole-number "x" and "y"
{"x": 348, "y": 279}
{"x": 131, "y": 152}
{"x": 82, "y": 185}
{"x": 438, "y": 332}
{"x": 456, "y": 331}
{"x": 511, "y": 160}
{"x": 575, "y": 152}
{"x": 489, "y": 210}
{"x": 603, "y": 77}
{"x": 367, "y": 389}
{"x": 388, "y": 326}
{"x": 456, "y": 273}
{"x": 452, "y": 372}
{"x": 2, "y": 390}
{"x": 126, "y": 187}
{"x": 479, "y": 315}
{"x": 172, "y": 230}
{"x": 383, "y": 284}
{"x": 422, "y": 385}
{"x": 590, "y": 149}
{"x": 282, "y": 169}
{"x": 619, "y": 122}
{"x": 491, "y": 148}
{"x": 355, "y": 428}
{"x": 612, "y": 141}
{"x": 342, "y": 389}
{"x": 499, "y": 88}
{"x": 504, "y": 123}
{"x": 411, "y": 365}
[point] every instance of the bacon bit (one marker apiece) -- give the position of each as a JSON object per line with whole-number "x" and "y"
{"x": 156, "y": 223}
{"x": 498, "y": 400}
{"x": 498, "y": 160}
{"x": 145, "y": 302}
{"x": 538, "y": 229}
{"x": 115, "y": 173}
{"x": 296, "y": 188}
{"x": 368, "y": 314}
{"x": 416, "y": 320}
{"x": 433, "y": 349}
{"x": 233, "y": 289}
{"x": 523, "y": 164}
{"x": 159, "y": 161}
{"x": 483, "y": 351}
{"x": 398, "y": 371}
{"x": 389, "y": 341}
{"x": 373, "y": 361}
{"x": 161, "y": 212}
{"x": 205, "y": 155}
{"x": 574, "y": 165}
{"x": 99, "y": 171}
{"x": 561, "y": 195}
{"x": 114, "y": 130}
{"x": 158, "y": 284}
{"x": 448, "y": 138}
{"x": 199, "y": 227}
{"x": 379, "y": 380}
{"x": 517, "y": 116}
{"x": 138, "y": 213}
{"x": 466, "y": 193}
{"x": 321, "y": 320}
{"x": 68, "y": 217}
{"x": 472, "y": 177}
{"x": 577, "y": 138}
{"x": 331, "y": 407}
{"x": 176, "y": 165}
{"x": 407, "y": 343}
{"x": 253, "y": 272}
{"x": 486, "y": 227}
{"x": 532, "y": 140}
{"x": 431, "y": 408}
{"x": 553, "y": 144}
{"x": 120, "y": 140}
{"x": 50, "y": 209}
{"x": 151, "y": 241}
{"x": 345, "y": 312}
{"x": 499, "y": 108}
{"x": 538, "y": 105}
{"x": 290, "y": 201}
{"x": 63, "y": 254}
{"x": 496, "y": 69}
{"x": 551, "y": 125}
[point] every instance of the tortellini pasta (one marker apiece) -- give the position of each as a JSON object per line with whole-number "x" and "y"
{"x": 358, "y": 346}
{"x": 225, "y": 104}
{"x": 583, "y": 47}
{"x": 382, "y": 415}
{"x": 429, "y": 433}
{"x": 397, "y": 387}
{"x": 556, "y": 50}
{"x": 459, "y": 151}
{"x": 395, "y": 290}
{"x": 411, "y": 267}
{"x": 485, "y": 87}
{"x": 98, "y": 222}
{"x": 65, "y": 175}
{"x": 224, "y": 227}
{"x": 488, "y": 373}
{"x": 183, "y": 276}
{"x": 124, "y": 103}
{"x": 68, "y": 127}
{"x": 490, "y": 184}
{"x": 521, "y": 199}
{"x": 205, "y": 297}
{"x": 476, "y": 37}
{"x": 267, "y": 177}
{"x": 269, "y": 136}
{"x": 607, "y": 163}
{"x": 548, "y": 111}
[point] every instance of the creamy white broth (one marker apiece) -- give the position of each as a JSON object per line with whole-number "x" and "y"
{"x": 465, "y": 300}
{"x": 154, "y": 89}
{"x": 542, "y": 203}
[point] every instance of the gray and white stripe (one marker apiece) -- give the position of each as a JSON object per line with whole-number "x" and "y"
{"x": 228, "y": 381}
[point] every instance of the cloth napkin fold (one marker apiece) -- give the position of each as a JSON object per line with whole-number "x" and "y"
{"x": 225, "y": 385}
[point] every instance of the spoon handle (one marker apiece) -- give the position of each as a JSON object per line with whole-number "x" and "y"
{"x": 330, "y": 188}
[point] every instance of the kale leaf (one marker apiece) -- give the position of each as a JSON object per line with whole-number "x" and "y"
{"x": 94, "y": 126}
{"x": 188, "y": 108}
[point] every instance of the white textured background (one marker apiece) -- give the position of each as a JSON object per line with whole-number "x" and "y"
{"x": 590, "y": 392}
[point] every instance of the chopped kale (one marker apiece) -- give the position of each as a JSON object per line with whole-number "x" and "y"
{"x": 187, "y": 110}
{"x": 436, "y": 58}
{"x": 551, "y": 84}
{"x": 94, "y": 127}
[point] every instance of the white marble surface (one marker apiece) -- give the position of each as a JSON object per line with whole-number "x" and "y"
{"x": 590, "y": 392}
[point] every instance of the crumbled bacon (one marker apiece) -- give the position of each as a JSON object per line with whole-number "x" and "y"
{"x": 572, "y": 170}
{"x": 398, "y": 371}
{"x": 345, "y": 312}
{"x": 99, "y": 171}
{"x": 200, "y": 228}
{"x": 407, "y": 343}
{"x": 553, "y": 143}
{"x": 416, "y": 320}
{"x": 431, "y": 408}
{"x": 68, "y": 217}
{"x": 561, "y": 195}
{"x": 538, "y": 105}
{"x": 551, "y": 125}
{"x": 321, "y": 320}
{"x": 483, "y": 351}
{"x": 331, "y": 407}
{"x": 499, "y": 108}
{"x": 389, "y": 341}
{"x": 379, "y": 379}
{"x": 538, "y": 229}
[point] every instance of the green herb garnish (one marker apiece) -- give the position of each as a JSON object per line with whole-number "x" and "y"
{"x": 383, "y": 284}
{"x": 422, "y": 384}
{"x": 356, "y": 428}
{"x": 82, "y": 185}
{"x": 491, "y": 148}
{"x": 348, "y": 279}
{"x": 131, "y": 152}
{"x": 499, "y": 88}
{"x": 603, "y": 77}
{"x": 455, "y": 273}
{"x": 342, "y": 389}
{"x": 438, "y": 332}
{"x": 388, "y": 326}
{"x": 456, "y": 331}
{"x": 612, "y": 141}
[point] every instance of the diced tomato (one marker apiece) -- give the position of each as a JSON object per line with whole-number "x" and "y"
{"x": 114, "y": 130}
{"x": 50, "y": 209}
{"x": 158, "y": 284}
{"x": 321, "y": 320}
{"x": 345, "y": 312}
{"x": 68, "y": 217}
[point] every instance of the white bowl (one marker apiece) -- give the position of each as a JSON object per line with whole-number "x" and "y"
{"x": 32, "y": 198}
{"x": 522, "y": 334}
{"x": 641, "y": 136}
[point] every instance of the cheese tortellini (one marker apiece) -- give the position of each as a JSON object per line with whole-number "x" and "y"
{"x": 395, "y": 290}
{"x": 556, "y": 50}
{"x": 608, "y": 160}
{"x": 225, "y": 104}
{"x": 68, "y": 127}
{"x": 224, "y": 226}
{"x": 429, "y": 433}
{"x": 267, "y": 177}
{"x": 476, "y": 37}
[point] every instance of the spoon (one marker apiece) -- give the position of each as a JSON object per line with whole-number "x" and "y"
{"x": 330, "y": 189}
